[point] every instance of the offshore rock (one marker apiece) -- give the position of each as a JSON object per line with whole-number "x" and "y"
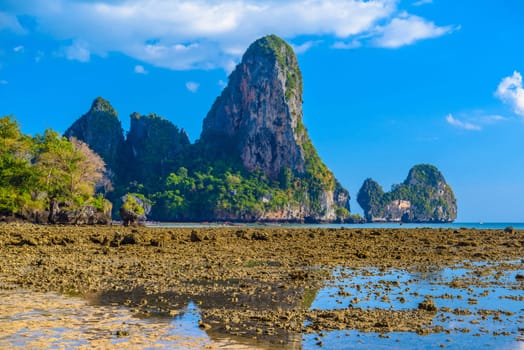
{"x": 423, "y": 197}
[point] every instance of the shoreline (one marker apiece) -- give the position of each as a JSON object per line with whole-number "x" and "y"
{"x": 248, "y": 281}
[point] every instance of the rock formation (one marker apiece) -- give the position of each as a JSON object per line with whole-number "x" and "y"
{"x": 153, "y": 148}
{"x": 253, "y": 161}
{"x": 423, "y": 197}
{"x": 258, "y": 121}
{"x": 101, "y": 129}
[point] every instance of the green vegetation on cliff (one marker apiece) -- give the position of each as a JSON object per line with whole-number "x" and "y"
{"x": 423, "y": 197}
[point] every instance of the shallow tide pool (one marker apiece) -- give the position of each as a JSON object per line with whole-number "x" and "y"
{"x": 479, "y": 307}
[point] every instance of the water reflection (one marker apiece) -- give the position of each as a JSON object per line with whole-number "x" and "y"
{"x": 479, "y": 306}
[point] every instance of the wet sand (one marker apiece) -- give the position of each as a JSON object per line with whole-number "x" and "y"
{"x": 253, "y": 283}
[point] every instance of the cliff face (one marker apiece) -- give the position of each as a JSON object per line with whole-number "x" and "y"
{"x": 153, "y": 148}
{"x": 423, "y": 197}
{"x": 258, "y": 116}
{"x": 258, "y": 121}
{"x": 101, "y": 129}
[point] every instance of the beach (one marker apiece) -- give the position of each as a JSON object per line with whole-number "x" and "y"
{"x": 261, "y": 283}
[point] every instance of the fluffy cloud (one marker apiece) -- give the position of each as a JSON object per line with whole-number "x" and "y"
{"x": 510, "y": 91}
{"x": 184, "y": 34}
{"x": 192, "y": 86}
{"x": 140, "y": 69}
{"x": 354, "y": 44}
{"x": 78, "y": 51}
{"x": 19, "y": 48}
{"x": 462, "y": 125}
{"x": 407, "y": 29}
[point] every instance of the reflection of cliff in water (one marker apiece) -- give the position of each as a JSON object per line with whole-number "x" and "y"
{"x": 249, "y": 312}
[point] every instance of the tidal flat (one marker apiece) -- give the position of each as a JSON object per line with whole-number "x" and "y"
{"x": 265, "y": 287}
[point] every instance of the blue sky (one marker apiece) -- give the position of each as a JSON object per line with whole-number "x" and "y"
{"x": 387, "y": 84}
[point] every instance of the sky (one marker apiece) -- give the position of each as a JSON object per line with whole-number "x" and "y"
{"x": 388, "y": 84}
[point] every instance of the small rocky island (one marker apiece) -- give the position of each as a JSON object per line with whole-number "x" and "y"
{"x": 423, "y": 197}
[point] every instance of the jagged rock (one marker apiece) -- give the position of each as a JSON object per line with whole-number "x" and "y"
{"x": 153, "y": 146}
{"x": 133, "y": 209}
{"x": 423, "y": 197}
{"x": 101, "y": 130}
{"x": 258, "y": 120}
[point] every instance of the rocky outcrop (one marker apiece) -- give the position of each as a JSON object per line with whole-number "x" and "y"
{"x": 423, "y": 197}
{"x": 101, "y": 129}
{"x": 61, "y": 213}
{"x": 258, "y": 115}
{"x": 134, "y": 209}
{"x": 153, "y": 147}
{"x": 257, "y": 121}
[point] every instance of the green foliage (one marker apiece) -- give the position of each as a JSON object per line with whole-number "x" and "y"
{"x": 131, "y": 205}
{"x": 216, "y": 192}
{"x": 34, "y": 170}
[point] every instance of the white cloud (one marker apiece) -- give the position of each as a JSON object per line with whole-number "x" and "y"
{"x": 192, "y": 86}
{"x": 140, "y": 69}
{"x": 492, "y": 119}
{"x": 305, "y": 46}
{"x": 19, "y": 48}
{"x": 4, "y": 82}
{"x": 204, "y": 34}
{"x": 11, "y": 23}
{"x": 354, "y": 44}
{"x": 510, "y": 91}
{"x": 407, "y": 29}
{"x": 78, "y": 51}
{"x": 462, "y": 125}
{"x": 222, "y": 83}
{"x": 422, "y": 2}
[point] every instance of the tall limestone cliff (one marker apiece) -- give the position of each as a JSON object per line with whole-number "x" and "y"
{"x": 101, "y": 129}
{"x": 153, "y": 149}
{"x": 257, "y": 121}
{"x": 423, "y": 197}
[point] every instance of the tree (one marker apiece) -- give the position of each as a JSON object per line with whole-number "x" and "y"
{"x": 17, "y": 178}
{"x": 70, "y": 170}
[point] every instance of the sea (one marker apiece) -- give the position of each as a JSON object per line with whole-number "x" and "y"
{"x": 454, "y": 225}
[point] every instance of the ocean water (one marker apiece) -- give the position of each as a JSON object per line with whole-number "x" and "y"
{"x": 454, "y": 225}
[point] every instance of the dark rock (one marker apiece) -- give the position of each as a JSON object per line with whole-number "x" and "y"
{"x": 260, "y": 236}
{"x": 101, "y": 130}
{"x": 428, "y": 305}
{"x": 509, "y": 229}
